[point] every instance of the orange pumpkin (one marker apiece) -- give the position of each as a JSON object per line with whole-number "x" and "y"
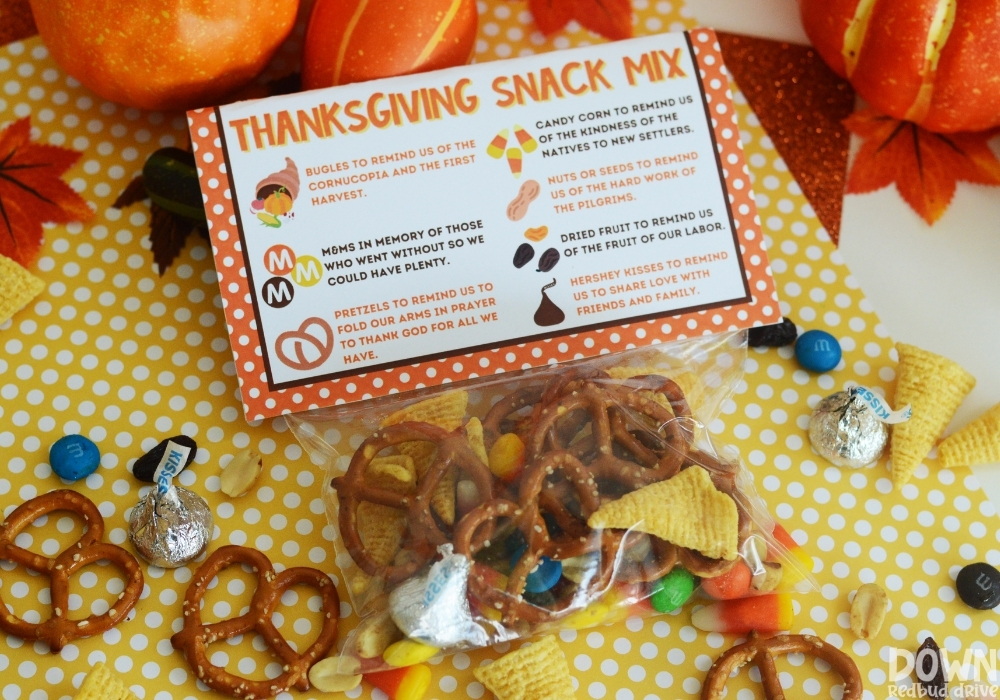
{"x": 278, "y": 203}
{"x": 349, "y": 41}
{"x": 933, "y": 62}
{"x": 164, "y": 54}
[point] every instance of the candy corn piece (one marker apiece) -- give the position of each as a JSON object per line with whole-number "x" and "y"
{"x": 514, "y": 161}
{"x": 409, "y": 683}
{"x": 526, "y": 140}
{"x": 764, "y": 613}
{"x": 407, "y": 652}
{"x": 497, "y": 145}
{"x": 792, "y": 574}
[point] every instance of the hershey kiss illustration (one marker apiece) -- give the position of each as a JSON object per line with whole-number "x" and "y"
{"x": 548, "y": 314}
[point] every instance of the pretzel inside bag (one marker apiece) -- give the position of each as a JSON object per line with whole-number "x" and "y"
{"x": 589, "y": 440}
{"x": 425, "y": 530}
{"x": 59, "y": 630}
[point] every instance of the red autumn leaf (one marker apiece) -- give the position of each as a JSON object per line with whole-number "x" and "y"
{"x": 609, "y": 18}
{"x": 925, "y": 166}
{"x": 31, "y": 192}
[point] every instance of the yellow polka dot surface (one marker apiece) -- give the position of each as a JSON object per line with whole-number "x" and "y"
{"x": 118, "y": 353}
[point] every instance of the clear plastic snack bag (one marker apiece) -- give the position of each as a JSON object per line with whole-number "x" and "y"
{"x": 564, "y": 497}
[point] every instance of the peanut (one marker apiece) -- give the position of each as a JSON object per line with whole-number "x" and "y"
{"x": 336, "y": 674}
{"x": 507, "y": 457}
{"x": 768, "y": 578}
{"x": 241, "y": 473}
{"x": 375, "y": 635}
{"x": 868, "y": 611}
{"x": 525, "y": 196}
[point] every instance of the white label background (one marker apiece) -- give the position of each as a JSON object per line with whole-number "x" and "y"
{"x": 482, "y": 191}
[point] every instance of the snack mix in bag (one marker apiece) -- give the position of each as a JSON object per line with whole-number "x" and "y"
{"x": 562, "y": 498}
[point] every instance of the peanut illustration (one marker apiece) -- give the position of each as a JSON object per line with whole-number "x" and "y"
{"x": 525, "y": 196}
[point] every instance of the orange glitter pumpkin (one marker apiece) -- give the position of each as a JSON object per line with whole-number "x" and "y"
{"x": 933, "y": 62}
{"x": 349, "y": 41}
{"x": 164, "y": 54}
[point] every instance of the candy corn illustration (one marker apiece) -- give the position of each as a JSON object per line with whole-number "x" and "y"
{"x": 526, "y": 140}
{"x": 514, "y": 161}
{"x": 498, "y": 144}
{"x": 408, "y": 683}
{"x": 764, "y": 613}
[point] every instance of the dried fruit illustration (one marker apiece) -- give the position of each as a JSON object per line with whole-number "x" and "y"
{"x": 523, "y": 255}
{"x": 548, "y": 260}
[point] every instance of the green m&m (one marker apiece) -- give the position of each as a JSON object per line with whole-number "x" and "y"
{"x": 672, "y": 591}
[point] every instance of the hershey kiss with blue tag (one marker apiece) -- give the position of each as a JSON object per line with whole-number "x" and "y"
{"x": 170, "y": 525}
{"x": 849, "y": 427}
{"x": 434, "y": 609}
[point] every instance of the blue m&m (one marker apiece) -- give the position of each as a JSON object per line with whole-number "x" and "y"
{"x": 74, "y": 457}
{"x": 817, "y": 351}
{"x": 545, "y": 576}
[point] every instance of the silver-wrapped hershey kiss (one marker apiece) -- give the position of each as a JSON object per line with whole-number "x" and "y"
{"x": 434, "y": 609}
{"x": 170, "y": 527}
{"x": 845, "y": 430}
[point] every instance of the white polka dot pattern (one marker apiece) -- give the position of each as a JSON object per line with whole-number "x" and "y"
{"x": 116, "y": 352}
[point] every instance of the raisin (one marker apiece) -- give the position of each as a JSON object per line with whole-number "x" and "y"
{"x": 523, "y": 255}
{"x": 774, "y": 336}
{"x": 548, "y": 260}
{"x": 929, "y": 667}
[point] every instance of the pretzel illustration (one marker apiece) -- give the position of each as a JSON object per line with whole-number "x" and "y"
{"x": 193, "y": 640}
{"x": 425, "y": 533}
{"x": 762, "y": 652}
{"x": 59, "y": 630}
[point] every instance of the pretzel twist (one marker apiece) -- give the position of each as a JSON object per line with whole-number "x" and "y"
{"x": 503, "y": 410}
{"x": 762, "y": 652}
{"x": 527, "y": 517}
{"x": 59, "y": 630}
{"x": 425, "y": 534}
{"x": 570, "y": 473}
{"x": 195, "y": 637}
{"x": 606, "y": 406}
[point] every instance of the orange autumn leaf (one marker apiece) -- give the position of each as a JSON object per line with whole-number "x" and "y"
{"x": 609, "y": 18}
{"x": 31, "y": 192}
{"x": 924, "y": 166}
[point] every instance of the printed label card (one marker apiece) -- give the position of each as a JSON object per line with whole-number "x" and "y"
{"x": 400, "y": 233}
